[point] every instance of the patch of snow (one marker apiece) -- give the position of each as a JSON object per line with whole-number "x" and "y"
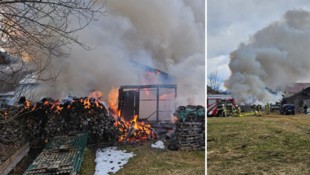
{"x": 159, "y": 144}
{"x": 110, "y": 160}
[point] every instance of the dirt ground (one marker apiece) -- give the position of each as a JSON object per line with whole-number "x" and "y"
{"x": 268, "y": 144}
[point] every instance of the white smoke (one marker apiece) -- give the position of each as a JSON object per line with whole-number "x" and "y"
{"x": 273, "y": 58}
{"x": 167, "y": 35}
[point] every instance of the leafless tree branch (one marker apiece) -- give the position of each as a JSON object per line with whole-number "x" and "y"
{"x": 34, "y": 31}
{"x": 215, "y": 81}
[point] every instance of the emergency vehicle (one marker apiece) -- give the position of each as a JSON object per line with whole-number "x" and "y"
{"x": 216, "y": 103}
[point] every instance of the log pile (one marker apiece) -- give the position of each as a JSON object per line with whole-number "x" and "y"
{"x": 40, "y": 121}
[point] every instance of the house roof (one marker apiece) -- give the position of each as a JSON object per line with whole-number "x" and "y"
{"x": 296, "y": 87}
{"x": 305, "y": 93}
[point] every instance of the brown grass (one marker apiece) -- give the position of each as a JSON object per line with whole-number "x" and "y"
{"x": 270, "y": 144}
{"x": 147, "y": 160}
{"x": 157, "y": 162}
{"x": 88, "y": 165}
{"x": 152, "y": 161}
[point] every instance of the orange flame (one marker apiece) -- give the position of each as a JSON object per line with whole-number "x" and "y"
{"x": 34, "y": 107}
{"x": 98, "y": 104}
{"x": 86, "y": 103}
{"x": 28, "y": 104}
{"x": 112, "y": 101}
{"x": 167, "y": 96}
{"x": 129, "y": 131}
{"x": 133, "y": 130}
{"x": 97, "y": 95}
{"x": 58, "y": 108}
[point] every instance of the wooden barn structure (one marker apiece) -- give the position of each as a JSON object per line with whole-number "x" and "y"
{"x": 299, "y": 99}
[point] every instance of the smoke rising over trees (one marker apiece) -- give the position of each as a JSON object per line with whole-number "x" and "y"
{"x": 274, "y": 57}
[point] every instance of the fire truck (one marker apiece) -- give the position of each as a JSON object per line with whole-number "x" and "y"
{"x": 216, "y": 103}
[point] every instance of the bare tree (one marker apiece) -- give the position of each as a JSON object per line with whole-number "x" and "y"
{"x": 214, "y": 81}
{"x": 32, "y": 32}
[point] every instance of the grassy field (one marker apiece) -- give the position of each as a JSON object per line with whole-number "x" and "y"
{"x": 147, "y": 160}
{"x": 269, "y": 144}
{"x": 152, "y": 161}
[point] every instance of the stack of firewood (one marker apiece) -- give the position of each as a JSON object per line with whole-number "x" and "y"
{"x": 40, "y": 121}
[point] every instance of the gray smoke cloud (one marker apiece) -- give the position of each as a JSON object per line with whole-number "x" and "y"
{"x": 167, "y": 35}
{"x": 274, "y": 57}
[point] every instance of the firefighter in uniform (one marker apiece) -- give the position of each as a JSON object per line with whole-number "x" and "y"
{"x": 305, "y": 109}
{"x": 254, "y": 108}
{"x": 224, "y": 110}
{"x": 237, "y": 111}
{"x": 267, "y": 108}
{"x": 259, "y": 109}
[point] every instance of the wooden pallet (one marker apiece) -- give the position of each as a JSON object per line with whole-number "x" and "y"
{"x": 11, "y": 162}
{"x": 190, "y": 135}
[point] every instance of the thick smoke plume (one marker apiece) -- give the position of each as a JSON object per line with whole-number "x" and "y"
{"x": 274, "y": 57}
{"x": 167, "y": 35}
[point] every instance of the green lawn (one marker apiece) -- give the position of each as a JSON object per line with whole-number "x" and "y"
{"x": 270, "y": 144}
{"x": 152, "y": 161}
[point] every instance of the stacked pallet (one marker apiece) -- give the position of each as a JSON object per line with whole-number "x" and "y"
{"x": 190, "y": 128}
{"x": 63, "y": 155}
{"x": 190, "y": 135}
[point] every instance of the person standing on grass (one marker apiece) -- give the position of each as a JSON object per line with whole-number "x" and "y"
{"x": 305, "y": 109}
{"x": 224, "y": 114}
{"x": 254, "y": 107}
{"x": 267, "y": 108}
{"x": 259, "y": 109}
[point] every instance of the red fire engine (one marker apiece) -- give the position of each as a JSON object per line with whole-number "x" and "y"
{"x": 216, "y": 103}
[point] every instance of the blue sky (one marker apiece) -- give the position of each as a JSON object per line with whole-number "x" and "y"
{"x": 231, "y": 22}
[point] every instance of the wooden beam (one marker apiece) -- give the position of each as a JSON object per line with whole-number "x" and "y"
{"x": 11, "y": 162}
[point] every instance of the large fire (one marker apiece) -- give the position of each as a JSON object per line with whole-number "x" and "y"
{"x": 112, "y": 102}
{"x": 128, "y": 131}
{"x": 133, "y": 131}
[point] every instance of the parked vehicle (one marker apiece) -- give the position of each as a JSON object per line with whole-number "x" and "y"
{"x": 275, "y": 107}
{"x": 287, "y": 109}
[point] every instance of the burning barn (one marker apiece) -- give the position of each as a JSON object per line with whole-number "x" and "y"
{"x": 152, "y": 102}
{"x": 144, "y": 95}
{"x": 134, "y": 113}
